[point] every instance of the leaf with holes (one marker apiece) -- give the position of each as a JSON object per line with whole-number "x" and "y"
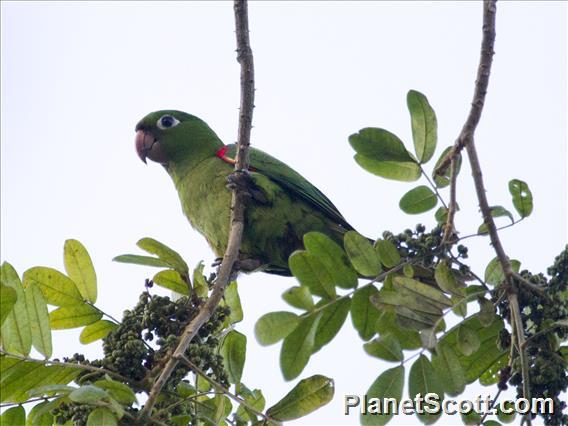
{"x": 522, "y": 197}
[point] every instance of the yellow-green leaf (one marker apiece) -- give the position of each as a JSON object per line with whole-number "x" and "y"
{"x": 15, "y": 416}
{"x": 389, "y": 384}
{"x": 233, "y": 301}
{"x": 137, "y": 259}
{"x": 522, "y": 197}
{"x": 423, "y": 379}
{"x": 307, "y": 396}
{"x": 119, "y": 391}
{"x": 468, "y": 340}
{"x": 8, "y": 298}
{"x": 80, "y": 269}
{"x": 311, "y": 272}
{"x": 58, "y": 289}
{"x": 299, "y": 297}
{"x": 298, "y": 347}
{"x": 275, "y": 326}
{"x": 388, "y": 254}
{"x": 171, "y": 280}
{"x": 73, "y": 316}
{"x": 171, "y": 257}
{"x": 385, "y": 347}
{"x": 418, "y": 200}
{"x": 233, "y": 350}
{"x": 361, "y": 253}
{"x": 363, "y": 313}
{"x": 404, "y": 171}
{"x": 424, "y": 125}
{"x": 332, "y": 256}
{"x": 332, "y": 319}
{"x": 95, "y": 331}
{"x": 102, "y": 417}
{"x": 39, "y": 320}
{"x": 16, "y": 330}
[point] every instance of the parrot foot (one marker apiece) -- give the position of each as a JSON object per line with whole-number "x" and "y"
{"x": 243, "y": 181}
{"x": 241, "y": 265}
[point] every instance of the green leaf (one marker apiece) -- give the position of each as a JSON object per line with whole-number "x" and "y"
{"x": 494, "y": 274}
{"x": 119, "y": 391}
{"x": 424, "y": 379}
{"x": 522, "y": 197}
{"x": 88, "y": 394}
{"x": 16, "y": 331}
{"x": 95, "y": 331}
{"x": 332, "y": 319}
{"x": 102, "y": 416}
{"x": 430, "y": 295}
{"x": 468, "y": 341}
{"x": 407, "y": 318}
{"x": 488, "y": 353}
{"x": 379, "y": 144}
{"x": 166, "y": 254}
{"x": 298, "y": 347}
{"x": 80, "y": 269}
{"x": 332, "y": 256}
{"x": 233, "y": 350}
{"x": 18, "y": 377}
{"x": 388, "y": 254}
{"x": 254, "y": 399}
{"x": 299, "y": 297}
{"x": 39, "y": 417}
{"x": 307, "y": 396}
{"x": 446, "y": 280}
{"x": 443, "y": 180}
{"x": 491, "y": 423}
{"x": 8, "y": 298}
{"x": 418, "y": 200}
{"x": 58, "y": 289}
{"x": 496, "y": 211}
{"x": 199, "y": 284}
{"x": 136, "y": 259}
{"x": 275, "y": 326}
{"x": 73, "y": 316}
{"x": 233, "y": 301}
{"x": 363, "y": 314}
{"x": 361, "y": 253}
{"x": 311, "y": 272}
{"x": 509, "y": 417}
{"x": 408, "y": 339}
{"x": 172, "y": 280}
{"x": 388, "y": 385}
{"x": 407, "y": 171}
{"x": 486, "y": 312}
{"x": 385, "y": 347}
{"x": 15, "y": 416}
{"x": 424, "y": 125}
{"x": 51, "y": 390}
{"x": 428, "y": 338}
{"x": 39, "y": 320}
{"x": 441, "y": 215}
{"x": 448, "y": 368}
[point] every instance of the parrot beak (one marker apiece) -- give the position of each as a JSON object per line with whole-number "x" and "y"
{"x": 147, "y": 146}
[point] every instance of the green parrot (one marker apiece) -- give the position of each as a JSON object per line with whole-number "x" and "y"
{"x": 284, "y": 205}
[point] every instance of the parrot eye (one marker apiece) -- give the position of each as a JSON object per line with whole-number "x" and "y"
{"x": 167, "y": 121}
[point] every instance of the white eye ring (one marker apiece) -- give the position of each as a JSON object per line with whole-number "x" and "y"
{"x": 167, "y": 122}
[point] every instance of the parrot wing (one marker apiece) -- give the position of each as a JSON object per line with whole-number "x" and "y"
{"x": 292, "y": 181}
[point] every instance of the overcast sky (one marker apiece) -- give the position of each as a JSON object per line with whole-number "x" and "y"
{"x": 76, "y": 77}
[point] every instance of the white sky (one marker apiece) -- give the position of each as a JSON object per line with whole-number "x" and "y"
{"x": 76, "y": 77}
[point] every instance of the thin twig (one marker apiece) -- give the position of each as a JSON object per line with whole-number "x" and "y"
{"x": 222, "y": 388}
{"x": 237, "y": 221}
{"x": 449, "y": 228}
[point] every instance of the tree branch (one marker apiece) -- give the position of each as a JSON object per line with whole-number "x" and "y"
{"x": 466, "y": 139}
{"x": 245, "y": 59}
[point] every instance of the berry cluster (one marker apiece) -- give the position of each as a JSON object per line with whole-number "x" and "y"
{"x": 540, "y": 314}
{"x": 142, "y": 343}
{"x": 424, "y": 248}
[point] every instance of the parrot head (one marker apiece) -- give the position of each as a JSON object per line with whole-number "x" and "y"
{"x": 169, "y": 137}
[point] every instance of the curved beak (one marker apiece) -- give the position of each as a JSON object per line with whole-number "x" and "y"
{"x": 147, "y": 146}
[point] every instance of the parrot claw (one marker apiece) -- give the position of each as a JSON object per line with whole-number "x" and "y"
{"x": 244, "y": 181}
